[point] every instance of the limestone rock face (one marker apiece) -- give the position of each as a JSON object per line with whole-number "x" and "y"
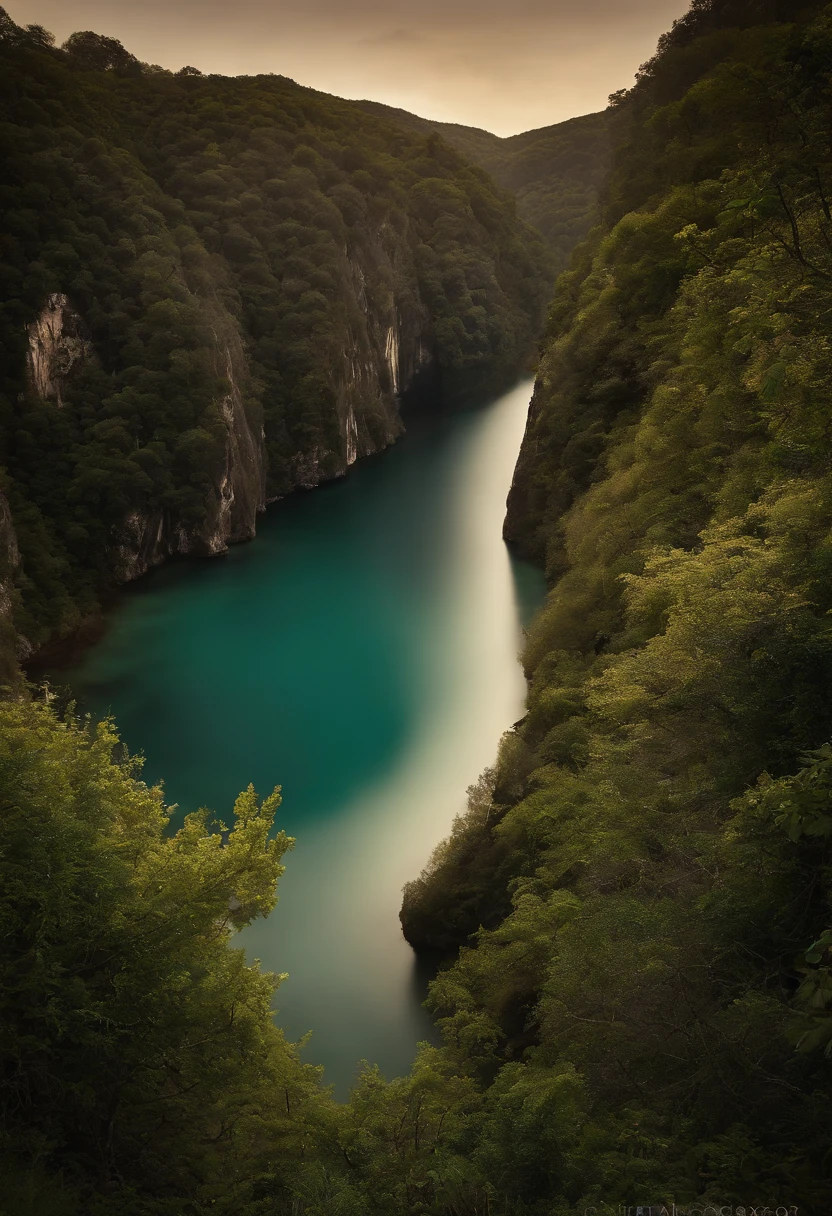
{"x": 148, "y": 538}
{"x": 57, "y": 344}
{"x": 384, "y": 348}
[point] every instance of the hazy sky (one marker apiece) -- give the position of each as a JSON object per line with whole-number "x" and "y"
{"x": 506, "y": 65}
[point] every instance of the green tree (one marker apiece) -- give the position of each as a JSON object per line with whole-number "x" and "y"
{"x": 138, "y": 1048}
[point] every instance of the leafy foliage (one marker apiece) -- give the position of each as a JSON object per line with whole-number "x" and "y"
{"x": 646, "y": 901}
{"x": 137, "y": 1044}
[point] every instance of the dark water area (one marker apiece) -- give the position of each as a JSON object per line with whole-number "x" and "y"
{"x": 362, "y": 654}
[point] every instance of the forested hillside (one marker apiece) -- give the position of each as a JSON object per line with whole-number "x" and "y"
{"x": 641, "y": 889}
{"x": 214, "y": 291}
{"x": 555, "y": 173}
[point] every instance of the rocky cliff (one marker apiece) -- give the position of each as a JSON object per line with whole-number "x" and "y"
{"x": 57, "y": 345}
{"x": 238, "y": 490}
{"x": 381, "y": 357}
{"x": 58, "y": 349}
{"x": 383, "y": 348}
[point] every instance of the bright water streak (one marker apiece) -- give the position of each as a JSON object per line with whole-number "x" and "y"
{"x": 362, "y": 652}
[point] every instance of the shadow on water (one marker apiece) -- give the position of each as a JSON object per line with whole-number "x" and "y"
{"x": 425, "y": 968}
{"x": 362, "y": 653}
{"x": 528, "y": 590}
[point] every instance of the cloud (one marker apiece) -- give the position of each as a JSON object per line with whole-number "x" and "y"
{"x": 395, "y": 39}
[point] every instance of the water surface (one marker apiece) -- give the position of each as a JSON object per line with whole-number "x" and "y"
{"x": 362, "y": 654}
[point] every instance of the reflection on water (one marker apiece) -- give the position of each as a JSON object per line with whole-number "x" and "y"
{"x": 362, "y": 653}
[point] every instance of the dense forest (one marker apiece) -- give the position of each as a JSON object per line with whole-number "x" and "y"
{"x": 213, "y": 291}
{"x": 640, "y": 891}
{"x": 634, "y": 913}
{"x": 555, "y": 173}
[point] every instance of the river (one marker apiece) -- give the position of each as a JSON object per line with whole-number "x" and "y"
{"x": 362, "y": 654}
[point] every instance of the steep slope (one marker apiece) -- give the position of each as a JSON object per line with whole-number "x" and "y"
{"x": 555, "y": 172}
{"x": 214, "y": 291}
{"x": 641, "y": 890}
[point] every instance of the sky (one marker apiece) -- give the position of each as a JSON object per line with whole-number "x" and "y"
{"x": 505, "y": 65}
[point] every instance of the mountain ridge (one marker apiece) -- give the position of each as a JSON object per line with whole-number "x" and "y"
{"x": 556, "y": 173}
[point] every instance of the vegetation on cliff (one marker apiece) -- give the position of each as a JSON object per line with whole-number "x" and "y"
{"x": 230, "y": 253}
{"x": 643, "y": 903}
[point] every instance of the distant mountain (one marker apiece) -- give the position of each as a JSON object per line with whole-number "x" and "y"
{"x": 554, "y": 172}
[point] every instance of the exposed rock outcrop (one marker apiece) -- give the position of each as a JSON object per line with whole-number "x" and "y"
{"x": 384, "y": 349}
{"x": 147, "y": 539}
{"x": 57, "y": 344}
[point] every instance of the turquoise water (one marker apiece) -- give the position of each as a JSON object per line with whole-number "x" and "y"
{"x": 362, "y": 653}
